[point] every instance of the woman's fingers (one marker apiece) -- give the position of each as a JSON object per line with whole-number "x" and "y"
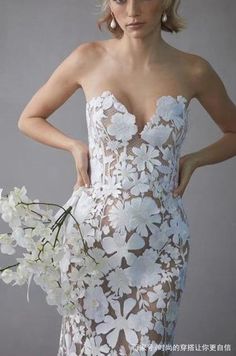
{"x": 85, "y": 178}
{"x": 185, "y": 175}
{"x": 186, "y": 170}
{"x": 81, "y": 157}
{"x": 83, "y": 169}
{"x": 79, "y": 182}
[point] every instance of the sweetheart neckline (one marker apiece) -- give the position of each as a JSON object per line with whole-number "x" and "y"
{"x": 107, "y": 92}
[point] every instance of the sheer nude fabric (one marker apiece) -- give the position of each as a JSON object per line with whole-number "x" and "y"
{"x": 135, "y": 229}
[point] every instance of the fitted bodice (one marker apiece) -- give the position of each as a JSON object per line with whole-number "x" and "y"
{"x": 122, "y": 155}
{"x": 137, "y": 233}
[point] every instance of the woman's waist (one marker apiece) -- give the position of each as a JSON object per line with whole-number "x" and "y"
{"x": 162, "y": 194}
{"x": 143, "y": 183}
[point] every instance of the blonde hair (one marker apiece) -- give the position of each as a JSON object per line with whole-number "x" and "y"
{"x": 174, "y": 23}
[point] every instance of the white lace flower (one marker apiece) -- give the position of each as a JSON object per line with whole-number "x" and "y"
{"x": 102, "y": 263}
{"x": 164, "y": 258}
{"x": 108, "y": 100}
{"x": 95, "y": 304}
{"x": 144, "y": 270}
{"x": 158, "y": 295}
{"x": 124, "y": 170}
{"x": 157, "y": 135}
{"x": 159, "y": 327}
{"x": 119, "y": 248}
{"x": 138, "y": 183}
{"x": 118, "y": 216}
{"x": 94, "y": 346}
{"x": 142, "y": 321}
{"x": 112, "y": 186}
{"x": 83, "y": 207}
{"x": 170, "y": 109}
{"x": 113, "y": 326}
{"x": 143, "y": 213}
{"x": 161, "y": 236}
{"x": 146, "y": 157}
{"x": 122, "y": 126}
{"x": 179, "y": 228}
{"x": 119, "y": 282}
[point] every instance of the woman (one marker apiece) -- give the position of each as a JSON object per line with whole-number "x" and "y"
{"x": 131, "y": 177}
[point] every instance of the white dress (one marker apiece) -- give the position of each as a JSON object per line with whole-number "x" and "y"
{"x": 137, "y": 232}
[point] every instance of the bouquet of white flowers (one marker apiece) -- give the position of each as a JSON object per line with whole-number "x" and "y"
{"x": 59, "y": 269}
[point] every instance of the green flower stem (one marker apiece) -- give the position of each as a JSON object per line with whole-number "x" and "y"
{"x": 58, "y": 223}
{"x": 62, "y": 217}
{"x": 3, "y": 269}
{"x": 40, "y": 251}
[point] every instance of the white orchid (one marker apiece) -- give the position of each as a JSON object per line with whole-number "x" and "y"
{"x": 45, "y": 258}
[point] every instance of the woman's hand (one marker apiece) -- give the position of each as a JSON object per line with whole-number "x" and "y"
{"x": 80, "y": 153}
{"x": 187, "y": 165}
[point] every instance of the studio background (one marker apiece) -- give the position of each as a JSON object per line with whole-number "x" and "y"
{"x": 35, "y": 36}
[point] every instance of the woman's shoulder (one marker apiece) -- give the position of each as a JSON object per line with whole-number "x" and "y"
{"x": 90, "y": 54}
{"x": 85, "y": 56}
{"x": 193, "y": 64}
{"x": 93, "y": 49}
{"x": 197, "y": 70}
{"x": 98, "y": 48}
{"x": 193, "y": 60}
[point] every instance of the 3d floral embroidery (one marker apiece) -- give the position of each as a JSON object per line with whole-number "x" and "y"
{"x": 113, "y": 258}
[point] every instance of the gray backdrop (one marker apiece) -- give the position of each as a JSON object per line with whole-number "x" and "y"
{"x": 35, "y": 36}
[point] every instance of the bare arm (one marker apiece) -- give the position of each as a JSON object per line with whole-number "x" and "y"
{"x": 211, "y": 93}
{"x": 63, "y": 82}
